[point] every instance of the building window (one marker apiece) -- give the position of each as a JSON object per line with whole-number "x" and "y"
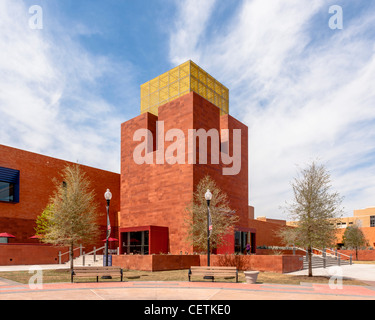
{"x": 241, "y": 239}
{"x": 3, "y": 240}
{"x": 372, "y": 221}
{"x": 135, "y": 242}
{"x": 9, "y": 185}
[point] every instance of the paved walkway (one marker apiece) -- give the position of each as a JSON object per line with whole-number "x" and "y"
{"x": 191, "y": 290}
{"x": 182, "y": 291}
{"x": 363, "y": 272}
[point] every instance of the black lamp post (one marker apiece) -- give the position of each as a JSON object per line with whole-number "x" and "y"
{"x": 208, "y": 197}
{"x": 108, "y": 197}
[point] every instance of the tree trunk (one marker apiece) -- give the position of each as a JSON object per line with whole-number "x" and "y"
{"x": 71, "y": 257}
{"x": 309, "y": 251}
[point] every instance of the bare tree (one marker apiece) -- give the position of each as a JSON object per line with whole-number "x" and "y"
{"x": 314, "y": 207}
{"x": 71, "y": 216}
{"x": 354, "y": 238}
{"x": 224, "y": 219}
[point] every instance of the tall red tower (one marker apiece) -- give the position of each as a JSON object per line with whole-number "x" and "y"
{"x": 157, "y": 185}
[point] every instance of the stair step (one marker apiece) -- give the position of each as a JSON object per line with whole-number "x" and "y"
{"x": 317, "y": 262}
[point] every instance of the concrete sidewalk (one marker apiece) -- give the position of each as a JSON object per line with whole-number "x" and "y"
{"x": 362, "y": 272}
{"x": 29, "y": 267}
{"x": 195, "y": 290}
{"x": 182, "y": 291}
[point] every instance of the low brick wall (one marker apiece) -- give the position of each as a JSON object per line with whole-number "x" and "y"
{"x": 268, "y": 263}
{"x": 30, "y": 254}
{"x": 363, "y": 255}
{"x": 155, "y": 262}
{"x": 279, "y": 264}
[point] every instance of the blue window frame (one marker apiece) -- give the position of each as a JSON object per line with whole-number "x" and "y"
{"x": 9, "y": 185}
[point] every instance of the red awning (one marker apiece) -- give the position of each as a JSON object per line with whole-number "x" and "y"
{"x": 37, "y": 236}
{"x": 6, "y": 235}
{"x": 110, "y": 239}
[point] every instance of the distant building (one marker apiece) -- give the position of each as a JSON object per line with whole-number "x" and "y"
{"x": 364, "y": 218}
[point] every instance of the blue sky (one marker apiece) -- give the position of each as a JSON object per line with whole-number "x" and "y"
{"x": 305, "y": 91}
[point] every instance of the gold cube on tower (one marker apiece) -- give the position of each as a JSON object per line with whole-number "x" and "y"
{"x": 179, "y": 81}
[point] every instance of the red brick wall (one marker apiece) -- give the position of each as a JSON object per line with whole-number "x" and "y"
{"x": 158, "y": 194}
{"x": 363, "y": 255}
{"x": 267, "y": 233}
{"x": 29, "y": 254}
{"x": 279, "y": 264}
{"x": 266, "y": 263}
{"x": 36, "y": 187}
{"x": 155, "y": 262}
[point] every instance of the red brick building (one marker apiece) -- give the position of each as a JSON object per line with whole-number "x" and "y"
{"x": 155, "y": 194}
{"x": 147, "y": 210}
{"x": 30, "y": 176}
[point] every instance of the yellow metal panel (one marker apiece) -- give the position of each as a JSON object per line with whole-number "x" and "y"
{"x": 202, "y": 90}
{"x": 174, "y": 75}
{"x": 185, "y": 69}
{"x": 154, "y": 99}
{"x": 203, "y": 76}
{"x": 174, "y": 89}
{"x": 154, "y": 85}
{"x": 177, "y": 82}
{"x": 154, "y": 110}
{"x": 194, "y": 70}
{"x": 194, "y": 84}
{"x": 145, "y": 102}
{"x": 210, "y": 82}
{"x": 210, "y": 96}
{"x": 163, "y": 94}
{"x": 164, "y": 80}
{"x": 185, "y": 84}
{"x": 145, "y": 89}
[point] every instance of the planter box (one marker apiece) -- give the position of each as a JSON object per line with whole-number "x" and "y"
{"x": 251, "y": 276}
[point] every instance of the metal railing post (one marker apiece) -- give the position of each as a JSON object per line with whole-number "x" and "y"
{"x": 351, "y": 259}
{"x": 324, "y": 258}
{"x": 83, "y": 258}
{"x": 94, "y": 254}
{"x": 59, "y": 257}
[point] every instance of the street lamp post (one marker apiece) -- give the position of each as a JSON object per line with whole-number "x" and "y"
{"x": 208, "y": 197}
{"x": 108, "y": 197}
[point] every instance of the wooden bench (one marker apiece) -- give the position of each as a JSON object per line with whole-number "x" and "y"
{"x": 212, "y": 272}
{"x": 86, "y": 272}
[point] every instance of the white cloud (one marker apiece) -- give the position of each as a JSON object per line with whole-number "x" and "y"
{"x": 190, "y": 23}
{"x": 304, "y": 90}
{"x": 50, "y": 100}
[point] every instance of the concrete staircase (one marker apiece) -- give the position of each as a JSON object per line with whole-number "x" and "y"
{"x": 317, "y": 262}
{"x": 89, "y": 261}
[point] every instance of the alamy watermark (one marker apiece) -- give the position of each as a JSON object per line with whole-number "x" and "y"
{"x": 336, "y": 279}
{"x": 176, "y": 152}
{"x": 36, "y": 280}
{"x": 337, "y": 19}
{"x": 36, "y": 20}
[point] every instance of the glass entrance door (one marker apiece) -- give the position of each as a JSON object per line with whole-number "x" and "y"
{"x": 135, "y": 242}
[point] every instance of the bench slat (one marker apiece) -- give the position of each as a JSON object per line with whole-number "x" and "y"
{"x": 213, "y": 272}
{"x": 96, "y": 272}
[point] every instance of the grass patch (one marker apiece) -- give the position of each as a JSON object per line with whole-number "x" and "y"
{"x": 363, "y": 262}
{"x": 63, "y": 275}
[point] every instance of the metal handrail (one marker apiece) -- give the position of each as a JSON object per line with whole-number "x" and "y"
{"x": 340, "y": 254}
{"x": 94, "y": 251}
{"x": 62, "y": 254}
